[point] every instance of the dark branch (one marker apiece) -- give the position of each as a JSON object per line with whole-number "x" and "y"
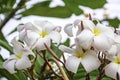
{"x": 12, "y": 13}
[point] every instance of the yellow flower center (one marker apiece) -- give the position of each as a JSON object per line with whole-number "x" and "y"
{"x": 80, "y": 55}
{"x": 43, "y": 34}
{"x": 19, "y": 56}
{"x": 96, "y": 31}
{"x": 117, "y": 60}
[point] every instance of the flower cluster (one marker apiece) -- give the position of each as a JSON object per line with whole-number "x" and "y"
{"x": 96, "y": 46}
{"x": 32, "y": 35}
{"x": 94, "y": 43}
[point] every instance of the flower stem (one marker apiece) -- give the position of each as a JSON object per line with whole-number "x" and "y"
{"x": 50, "y": 66}
{"x": 53, "y": 53}
{"x": 61, "y": 69}
{"x": 12, "y": 13}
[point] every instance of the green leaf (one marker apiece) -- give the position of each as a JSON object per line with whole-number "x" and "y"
{"x": 21, "y": 75}
{"x": 67, "y": 42}
{"x": 43, "y": 9}
{"x": 6, "y": 5}
{"x": 94, "y": 4}
{"x": 56, "y": 50}
{"x": 5, "y": 45}
{"x": 73, "y": 7}
{"x": 9, "y": 76}
{"x": 2, "y": 36}
{"x": 80, "y": 73}
{"x": 113, "y": 22}
{"x": 1, "y": 62}
{"x": 39, "y": 63}
{"x": 106, "y": 78}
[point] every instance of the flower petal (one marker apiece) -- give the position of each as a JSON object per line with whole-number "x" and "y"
{"x": 9, "y": 65}
{"x": 102, "y": 43}
{"x": 72, "y": 63}
{"x": 113, "y": 50}
{"x": 85, "y": 39}
{"x": 31, "y": 37}
{"x": 27, "y": 26}
{"x": 18, "y": 47}
{"x": 68, "y": 30}
{"x": 88, "y": 24}
{"x": 77, "y": 22}
{"x": 66, "y": 49}
{"x": 90, "y": 62}
{"x": 107, "y": 31}
{"x": 40, "y": 43}
{"x": 23, "y": 63}
{"x": 45, "y": 25}
{"x": 55, "y": 36}
{"x": 111, "y": 70}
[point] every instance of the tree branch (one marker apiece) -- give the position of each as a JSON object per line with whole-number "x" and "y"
{"x": 12, "y": 13}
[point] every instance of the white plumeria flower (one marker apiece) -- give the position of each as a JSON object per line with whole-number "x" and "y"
{"x": 114, "y": 50}
{"x": 100, "y": 37}
{"x": 88, "y": 59}
{"x": 113, "y": 68}
{"x": 20, "y": 59}
{"x": 118, "y": 30}
{"x": 38, "y": 33}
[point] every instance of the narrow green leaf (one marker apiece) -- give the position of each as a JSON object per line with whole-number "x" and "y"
{"x": 6, "y": 5}
{"x": 39, "y": 63}
{"x": 5, "y": 45}
{"x": 21, "y": 75}
{"x": 1, "y": 62}
{"x": 2, "y": 36}
{"x": 9, "y": 76}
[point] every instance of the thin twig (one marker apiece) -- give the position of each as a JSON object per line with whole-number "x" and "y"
{"x": 12, "y": 13}
{"x": 63, "y": 57}
{"x": 50, "y": 66}
{"x": 87, "y": 76}
{"x": 53, "y": 53}
{"x": 61, "y": 69}
{"x": 32, "y": 67}
{"x": 117, "y": 76}
{"x": 90, "y": 18}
